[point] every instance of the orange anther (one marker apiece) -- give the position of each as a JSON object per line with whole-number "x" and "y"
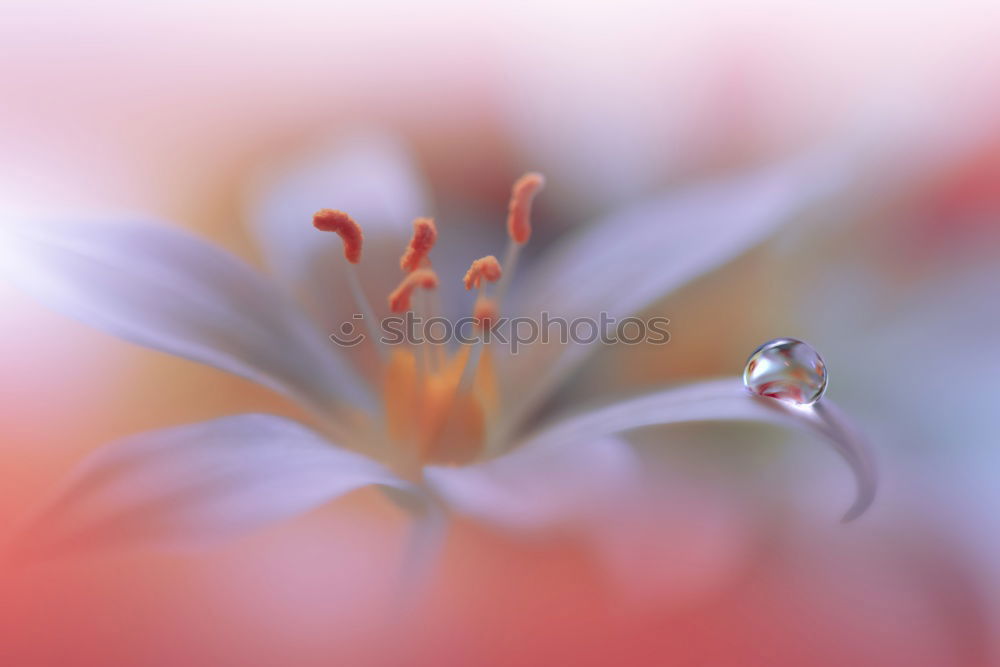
{"x": 519, "y": 212}
{"x": 329, "y": 220}
{"x": 424, "y": 236}
{"x": 485, "y": 268}
{"x": 399, "y": 300}
{"x": 485, "y": 312}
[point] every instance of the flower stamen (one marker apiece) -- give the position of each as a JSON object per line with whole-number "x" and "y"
{"x": 518, "y": 225}
{"x": 399, "y": 299}
{"x": 440, "y": 407}
{"x": 485, "y": 268}
{"x": 519, "y": 210}
{"x": 330, "y": 220}
{"x": 349, "y": 231}
{"x": 416, "y": 257}
{"x": 424, "y": 237}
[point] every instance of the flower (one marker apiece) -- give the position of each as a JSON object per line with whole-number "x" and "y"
{"x": 452, "y": 434}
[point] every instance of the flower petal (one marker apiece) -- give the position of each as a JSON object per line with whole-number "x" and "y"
{"x": 543, "y": 486}
{"x": 637, "y": 256}
{"x": 725, "y": 400}
{"x": 199, "y": 483}
{"x": 369, "y": 175}
{"x": 634, "y": 256}
{"x": 160, "y": 287}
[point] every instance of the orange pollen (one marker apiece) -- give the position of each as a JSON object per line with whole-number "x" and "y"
{"x": 329, "y": 220}
{"x": 485, "y": 268}
{"x": 399, "y": 299}
{"x": 485, "y": 312}
{"x": 519, "y": 212}
{"x": 424, "y": 236}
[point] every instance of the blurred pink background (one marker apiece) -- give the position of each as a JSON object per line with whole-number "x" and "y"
{"x": 172, "y": 111}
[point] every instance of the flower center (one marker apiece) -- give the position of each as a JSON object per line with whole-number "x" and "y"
{"x": 439, "y": 405}
{"x": 431, "y": 413}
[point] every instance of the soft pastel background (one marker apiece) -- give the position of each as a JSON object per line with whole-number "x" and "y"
{"x": 735, "y": 556}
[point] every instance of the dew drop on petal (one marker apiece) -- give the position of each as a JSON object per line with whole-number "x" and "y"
{"x": 788, "y": 370}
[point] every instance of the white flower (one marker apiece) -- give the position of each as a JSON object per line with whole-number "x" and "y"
{"x": 159, "y": 287}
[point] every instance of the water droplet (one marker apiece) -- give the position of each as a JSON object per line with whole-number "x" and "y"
{"x": 788, "y": 370}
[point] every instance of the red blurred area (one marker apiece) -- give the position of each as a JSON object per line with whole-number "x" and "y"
{"x": 495, "y": 602}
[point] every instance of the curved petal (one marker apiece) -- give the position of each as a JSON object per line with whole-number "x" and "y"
{"x": 638, "y": 255}
{"x": 369, "y": 175}
{"x": 199, "y": 483}
{"x": 721, "y": 400}
{"x": 633, "y": 257}
{"x": 160, "y": 287}
{"x": 541, "y": 486}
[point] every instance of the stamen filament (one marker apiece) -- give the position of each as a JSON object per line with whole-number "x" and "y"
{"x": 471, "y": 366}
{"x": 509, "y": 265}
{"x": 485, "y": 313}
{"x": 427, "y": 363}
{"x": 367, "y": 313}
